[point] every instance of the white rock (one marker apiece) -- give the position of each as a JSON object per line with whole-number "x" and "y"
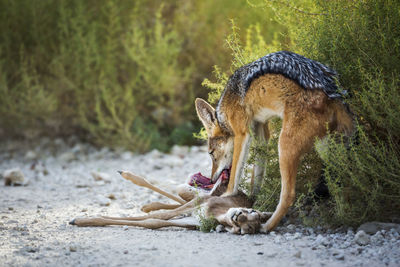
{"x": 127, "y": 155}
{"x": 361, "y": 238}
{"x": 377, "y": 238}
{"x": 67, "y": 156}
{"x": 31, "y": 155}
{"x": 373, "y": 227}
{"x": 155, "y": 154}
{"x": 59, "y": 142}
{"x": 174, "y": 161}
{"x": 320, "y": 240}
{"x": 338, "y": 255}
{"x": 179, "y": 150}
{"x": 103, "y": 201}
{"x": 297, "y": 235}
{"x": 13, "y": 177}
{"x": 195, "y": 149}
{"x": 101, "y": 176}
{"x": 76, "y": 149}
{"x": 278, "y": 239}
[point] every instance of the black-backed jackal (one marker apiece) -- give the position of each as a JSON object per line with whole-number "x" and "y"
{"x": 299, "y": 90}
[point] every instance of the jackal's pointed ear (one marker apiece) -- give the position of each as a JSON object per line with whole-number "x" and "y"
{"x": 206, "y": 114}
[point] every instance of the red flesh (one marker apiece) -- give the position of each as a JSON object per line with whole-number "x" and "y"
{"x": 203, "y": 182}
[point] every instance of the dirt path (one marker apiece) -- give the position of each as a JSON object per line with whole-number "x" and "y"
{"x": 34, "y": 229}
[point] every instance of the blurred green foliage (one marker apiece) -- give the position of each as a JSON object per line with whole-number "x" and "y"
{"x": 118, "y": 73}
{"x": 361, "y": 40}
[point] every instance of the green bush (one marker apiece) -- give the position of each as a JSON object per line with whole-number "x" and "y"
{"x": 361, "y": 40}
{"x": 118, "y": 73}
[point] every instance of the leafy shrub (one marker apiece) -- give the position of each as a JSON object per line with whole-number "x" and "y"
{"x": 361, "y": 41}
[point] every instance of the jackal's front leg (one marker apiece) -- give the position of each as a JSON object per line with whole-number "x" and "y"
{"x": 240, "y": 151}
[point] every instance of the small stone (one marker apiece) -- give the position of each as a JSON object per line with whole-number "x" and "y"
{"x": 394, "y": 233}
{"x": 101, "y": 176}
{"x": 31, "y": 155}
{"x": 112, "y": 197}
{"x": 103, "y": 201}
{"x": 195, "y": 149}
{"x": 10, "y": 208}
{"x": 361, "y": 238}
{"x": 126, "y": 252}
{"x": 377, "y": 238}
{"x": 291, "y": 227}
{"x": 297, "y": 235}
{"x": 127, "y": 155}
{"x": 67, "y": 157}
{"x": 77, "y": 149}
{"x": 84, "y": 210}
{"x": 373, "y": 227}
{"x": 179, "y": 150}
{"x": 260, "y": 253}
{"x": 338, "y": 255}
{"x": 13, "y": 177}
{"x": 155, "y": 154}
{"x": 320, "y": 240}
{"x": 174, "y": 161}
{"x": 31, "y": 249}
{"x": 278, "y": 239}
{"x": 297, "y": 254}
{"x": 72, "y": 248}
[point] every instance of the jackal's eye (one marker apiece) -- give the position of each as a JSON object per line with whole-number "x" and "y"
{"x": 211, "y": 152}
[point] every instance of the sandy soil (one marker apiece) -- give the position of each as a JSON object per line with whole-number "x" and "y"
{"x": 34, "y": 229}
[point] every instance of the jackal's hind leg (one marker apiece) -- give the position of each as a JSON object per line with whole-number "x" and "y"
{"x": 296, "y": 138}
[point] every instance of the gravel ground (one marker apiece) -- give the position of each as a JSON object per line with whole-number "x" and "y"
{"x": 59, "y": 186}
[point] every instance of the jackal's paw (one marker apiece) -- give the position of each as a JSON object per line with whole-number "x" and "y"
{"x": 244, "y": 221}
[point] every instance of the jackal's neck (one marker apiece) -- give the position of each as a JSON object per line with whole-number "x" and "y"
{"x": 220, "y": 114}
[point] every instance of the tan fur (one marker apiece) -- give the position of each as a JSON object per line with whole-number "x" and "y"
{"x": 306, "y": 115}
